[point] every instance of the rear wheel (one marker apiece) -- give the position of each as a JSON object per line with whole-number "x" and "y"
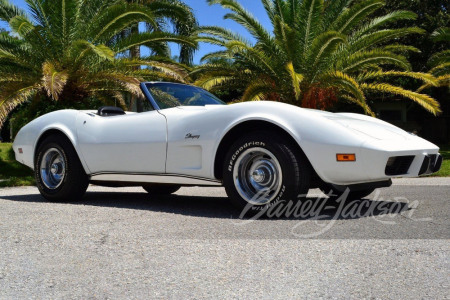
{"x": 58, "y": 170}
{"x": 161, "y": 189}
{"x": 261, "y": 169}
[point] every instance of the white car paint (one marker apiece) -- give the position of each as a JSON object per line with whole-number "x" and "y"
{"x": 155, "y": 146}
{"x": 132, "y": 143}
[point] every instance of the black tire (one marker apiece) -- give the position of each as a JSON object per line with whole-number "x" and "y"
{"x": 161, "y": 189}
{"x": 352, "y": 195}
{"x": 269, "y": 152}
{"x": 74, "y": 183}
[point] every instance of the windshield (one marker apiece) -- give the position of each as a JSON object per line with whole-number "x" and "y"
{"x": 169, "y": 95}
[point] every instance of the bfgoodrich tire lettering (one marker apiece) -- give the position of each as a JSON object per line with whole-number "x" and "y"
{"x": 58, "y": 170}
{"x": 261, "y": 169}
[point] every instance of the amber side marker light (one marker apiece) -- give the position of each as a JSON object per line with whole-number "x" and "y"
{"x": 345, "y": 157}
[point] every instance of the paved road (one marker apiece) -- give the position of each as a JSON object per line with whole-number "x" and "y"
{"x": 121, "y": 243}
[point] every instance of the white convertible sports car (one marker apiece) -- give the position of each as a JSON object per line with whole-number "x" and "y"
{"x": 262, "y": 152}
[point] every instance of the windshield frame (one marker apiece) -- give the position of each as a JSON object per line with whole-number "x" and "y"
{"x": 145, "y": 86}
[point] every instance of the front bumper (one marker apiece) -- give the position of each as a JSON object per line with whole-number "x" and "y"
{"x": 378, "y": 161}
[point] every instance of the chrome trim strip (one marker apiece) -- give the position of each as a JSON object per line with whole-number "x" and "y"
{"x": 155, "y": 178}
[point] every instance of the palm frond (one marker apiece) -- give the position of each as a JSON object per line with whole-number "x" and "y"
{"x": 129, "y": 83}
{"x": 322, "y": 49}
{"x": 217, "y": 54}
{"x": 362, "y": 59}
{"x": 11, "y": 98}
{"x": 222, "y": 33}
{"x": 362, "y": 104}
{"x": 253, "y": 56}
{"x": 382, "y": 36}
{"x": 149, "y": 38}
{"x": 213, "y": 80}
{"x": 441, "y": 34}
{"x": 296, "y": 80}
{"x": 441, "y": 69}
{"x": 38, "y": 12}
{"x": 9, "y": 11}
{"x": 117, "y": 17}
{"x": 391, "y": 17}
{"x": 256, "y": 91}
{"x": 400, "y": 49}
{"x": 53, "y": 80}
{"x": 79, "y": 49}
{"x": 352, "y": 17}
{"x": 423, "y": 100}
{"x": 425, "y": 77}
{"x": 439, "y": 58}
{"x": 309, "y": 23}
{"x": 21, "y": 25}
{"x": 333, "y": 9}
{"x": 443, "y": 80}
{"x": 346, "y": 83}
{"x": 176, "y": 71}
{"x": 245, "y": 18}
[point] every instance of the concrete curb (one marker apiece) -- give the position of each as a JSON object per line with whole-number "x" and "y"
{"x": 422, "y": 181}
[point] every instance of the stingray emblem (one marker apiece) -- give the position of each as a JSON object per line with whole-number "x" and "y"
{"x": 190, "y": 136}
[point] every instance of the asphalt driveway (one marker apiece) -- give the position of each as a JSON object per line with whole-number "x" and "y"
{"x": 122, "y": 243}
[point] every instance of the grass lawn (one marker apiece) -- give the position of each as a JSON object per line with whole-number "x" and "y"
{"x": 13, "y": 173}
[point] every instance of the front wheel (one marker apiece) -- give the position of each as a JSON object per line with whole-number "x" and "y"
{"x": 261, "y": 169}
{"x": 58, "y": 170}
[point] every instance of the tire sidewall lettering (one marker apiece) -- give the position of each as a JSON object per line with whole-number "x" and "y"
{"x": 273, "y": 202}
{"x": 240, "y": 150}
{"x": 231, "y": 166}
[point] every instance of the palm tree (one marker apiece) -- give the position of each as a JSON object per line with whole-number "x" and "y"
{"x": 67, "y": 52}
{"x": 440, "y": 62}
{"x": 320, "y": 51}
{"x": 183, "y": 22}
{"x": 168, "y": 12}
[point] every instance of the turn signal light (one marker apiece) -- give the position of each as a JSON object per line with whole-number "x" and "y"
{"x": 345, "y": 157}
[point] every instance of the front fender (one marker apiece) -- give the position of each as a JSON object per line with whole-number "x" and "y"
{"x": 32, "y": 134}
{"x": 318, "y": 137}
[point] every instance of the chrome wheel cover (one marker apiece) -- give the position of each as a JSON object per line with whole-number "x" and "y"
{"x": 257, "y": 176}
{"x": 53, "y": 168}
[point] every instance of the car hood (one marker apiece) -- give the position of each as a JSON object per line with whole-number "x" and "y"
{"x": 368, "y": 126}
{"x": 362, "y": 125}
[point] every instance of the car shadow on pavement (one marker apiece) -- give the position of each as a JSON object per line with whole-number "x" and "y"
{"x": 219, "y": 207}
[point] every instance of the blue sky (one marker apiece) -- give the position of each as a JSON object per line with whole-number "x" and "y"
{"x": 209, "y": 15}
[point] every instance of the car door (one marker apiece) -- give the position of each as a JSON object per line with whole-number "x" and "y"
{"x": 134, "y": 143}
{"x": 190, "y": 112}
